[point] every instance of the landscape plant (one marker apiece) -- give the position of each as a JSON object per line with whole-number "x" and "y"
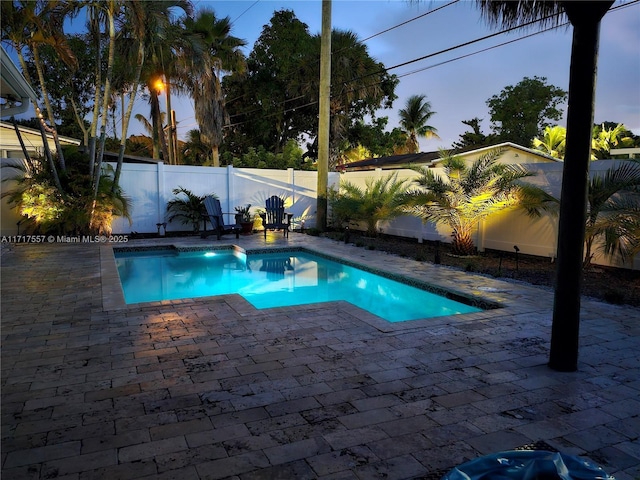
{"x": 244, "y": 212}
{"x": 70, "y": 209}
{"x": 187, "y": 207}
{"x": 613, "y": 212}
{"x": 466, "y": 195}
{"x": 381, "y": 199}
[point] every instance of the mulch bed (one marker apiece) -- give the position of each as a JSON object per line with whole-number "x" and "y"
{"x": 614, "y": 285}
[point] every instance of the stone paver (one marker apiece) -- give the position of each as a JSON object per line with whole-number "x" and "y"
{"x": 212, "y": 388}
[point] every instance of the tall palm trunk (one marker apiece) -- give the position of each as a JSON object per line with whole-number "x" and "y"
{"x": 127, "y": 117}
{"x": 215, "y": 156}
{"x": 47, "y": 152}
{"x": 47, "y": 103}
{"x": 105, "y": 106}
{"x": 585, "y": 18}
{"x": 93, "y": 130}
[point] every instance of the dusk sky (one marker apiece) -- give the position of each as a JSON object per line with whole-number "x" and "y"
{"x": 457, "y": 90}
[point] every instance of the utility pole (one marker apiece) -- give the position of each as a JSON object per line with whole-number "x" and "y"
{"x": 324, "y": 116}
{"x": 170, "y": 117}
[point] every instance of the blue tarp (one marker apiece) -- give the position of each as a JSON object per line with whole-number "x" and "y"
{"x": 527, "y": 465}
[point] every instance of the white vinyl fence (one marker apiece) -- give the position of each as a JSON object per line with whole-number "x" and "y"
{"x": 150, "y": 187}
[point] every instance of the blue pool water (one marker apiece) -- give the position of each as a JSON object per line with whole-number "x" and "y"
{"x": 274, "y": 280}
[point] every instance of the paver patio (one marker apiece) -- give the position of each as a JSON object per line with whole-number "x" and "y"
{"x": 213, "y": 388}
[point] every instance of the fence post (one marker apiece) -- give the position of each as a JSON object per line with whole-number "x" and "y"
{"x": 161, "y": 193}
{"x": 231, "y": 190}
{"x": 291, "y": 178}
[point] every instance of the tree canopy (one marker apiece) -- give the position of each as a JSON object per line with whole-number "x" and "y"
{"x": 519, "y": 113}
{"x": 276, "y": 99}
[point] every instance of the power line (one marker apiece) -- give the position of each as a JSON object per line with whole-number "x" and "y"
{"x": 247, "y": 9}
{"x": 386, "y": 69}
{"x": 424, "y": 57}
{"x": 409, "y": 21}
{"x": 478, "y": 51}
{"x": 362, "y": 41}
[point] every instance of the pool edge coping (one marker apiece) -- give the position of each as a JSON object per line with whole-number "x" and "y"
{"x": 113, "y": 295}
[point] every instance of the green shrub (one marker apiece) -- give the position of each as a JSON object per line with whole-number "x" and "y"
{"x": 188, "y": 208}
{"x": 70, "y": 211}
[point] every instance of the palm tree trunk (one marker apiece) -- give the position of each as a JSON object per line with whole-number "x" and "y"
{"x": 127, "y": 117}
{"x": 93, "y": 129}
{"x": 462, "y": 243}
{"x": 49, "y": 157}
{"x": 105, "y": 106}
{"x": 81, "y": 124}
{"x": 47, "y": 151}
{"x": 47, "y": 103}
{"x": 585, "y": 18}
{"x": 163, "y": 144}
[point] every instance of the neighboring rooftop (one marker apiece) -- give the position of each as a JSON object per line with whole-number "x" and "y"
{"x": 513, "y": 154}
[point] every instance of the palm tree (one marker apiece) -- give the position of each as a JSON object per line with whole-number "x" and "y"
{"x": 585, "y": 17}
{"x": 614, "y": 211}
{"x": 149, "y": 128}
{"x": 195, "y": 151}
{"x": 351, "y": 65}
{"x": 413, "y": 119}
{"x": 145, "y": 26}
{"x": 201, "y": 67}
{"x": 553, "y": 141}
{"x": 189, "y": 208}
{"x": 604, "y": 139}
{"x": 469, "y": 195}
{"x": 31, "y": 25}
{"x": 381, "y": 199}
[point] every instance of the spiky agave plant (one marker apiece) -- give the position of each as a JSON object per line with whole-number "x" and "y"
{"x": 467, "y": 195}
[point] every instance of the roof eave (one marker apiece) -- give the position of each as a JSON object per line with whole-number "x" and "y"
{"x": 14, "y": 86}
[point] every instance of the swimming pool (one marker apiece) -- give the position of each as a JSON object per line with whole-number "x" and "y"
{"x": 277, "y": 279}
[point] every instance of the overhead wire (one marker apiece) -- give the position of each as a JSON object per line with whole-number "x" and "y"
{"x": 618, "y": 7}
{"x": 424, "y": 57}
{"x": 386, "y": 69}
{"x": 245, "y": 11}
{"x": 317, "y": 61}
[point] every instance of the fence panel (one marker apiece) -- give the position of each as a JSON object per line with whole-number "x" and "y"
{"x": 149, "y": 188}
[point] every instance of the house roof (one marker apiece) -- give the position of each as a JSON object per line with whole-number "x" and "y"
{"x": 430, "y": 158}
{"x": 393, "y": 161}
{"x": 33, "y": 131}
{"x": 14, "y": 88}
{"x": 113, "y": 157}
{"x": 515, "y": 146}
